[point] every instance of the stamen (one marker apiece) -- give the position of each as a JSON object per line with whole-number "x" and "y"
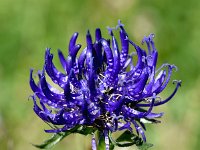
{"x": 118, "y": 95}
{"x": 110, "y": 30}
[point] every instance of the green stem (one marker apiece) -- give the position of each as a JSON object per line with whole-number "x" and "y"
{"x": 100, "y": 141}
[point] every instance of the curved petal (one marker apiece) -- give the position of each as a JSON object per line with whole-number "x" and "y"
{"x": 125, "y": 47}
{"x": 116, "y": 59}
{"x": 56, "y": 76}
{"x": 47, "y": 92}
{"x": 163, "y": 101}
{"x": 161, "y": 88}
{"x": 72, "y": 43}
{"x": 62, "y": 59}
{"x": 139, "y": 130}
{"x": 132, "y": 113}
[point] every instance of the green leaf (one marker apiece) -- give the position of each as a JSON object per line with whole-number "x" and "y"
{"x": 145, "y": 146}
{"x": 56, "y": 138}
{"x": 50, "y": 142}
{"x": 128, "y": 138}
{"x": 85, "y": 130}
{"x": 112, "y": 146}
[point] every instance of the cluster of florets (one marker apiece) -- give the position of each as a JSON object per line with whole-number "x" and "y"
{"x": 105, "y": 87}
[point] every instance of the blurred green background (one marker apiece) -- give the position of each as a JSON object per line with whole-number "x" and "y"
{"x": 27, "y": 27}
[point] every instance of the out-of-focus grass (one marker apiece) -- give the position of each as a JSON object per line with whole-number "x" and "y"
{"x": 27, "y": 27}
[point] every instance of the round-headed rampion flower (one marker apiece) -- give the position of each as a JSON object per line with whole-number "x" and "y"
{"x": 105, "y": 87}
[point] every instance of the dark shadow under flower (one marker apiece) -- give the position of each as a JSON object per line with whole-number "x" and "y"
{"x": 102, "y": 88}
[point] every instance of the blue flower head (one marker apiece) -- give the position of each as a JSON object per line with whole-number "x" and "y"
{"x": 105, "y": 87}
